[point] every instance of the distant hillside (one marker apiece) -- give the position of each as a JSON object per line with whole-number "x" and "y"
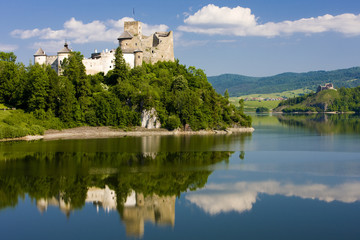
{"x": 341, "y": 100}
{"x": 239, "y": 85}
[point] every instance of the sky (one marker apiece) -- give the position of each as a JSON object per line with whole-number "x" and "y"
{"x": 247, "y": 37}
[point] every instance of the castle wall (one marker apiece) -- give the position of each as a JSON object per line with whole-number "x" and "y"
{"x": 155, "y": 209}
{"x": 53, "y": 62}
{"x": 129, "y": 59}
{"x": 40, "y": 60}
{"x": 138, "y": 58}
{"x": 131, "y": 44}
{"x": 104, "y": 63}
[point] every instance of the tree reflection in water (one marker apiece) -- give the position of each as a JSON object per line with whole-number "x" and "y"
{"x": 141, "y": 187}
{"x": 323, "y": 123}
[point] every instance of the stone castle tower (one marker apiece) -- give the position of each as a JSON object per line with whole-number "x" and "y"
{"x": 150, "y": 49}
{"x": 136, "y": 49}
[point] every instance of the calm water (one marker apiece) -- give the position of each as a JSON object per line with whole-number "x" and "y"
{"x": 295, "y": 177}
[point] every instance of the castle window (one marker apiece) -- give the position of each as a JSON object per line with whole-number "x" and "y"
{"x": 110, "y": 66}
{"x": 135, "y": 44}
{"x": 139, "y": 57}
{"x": 152, "y": 51}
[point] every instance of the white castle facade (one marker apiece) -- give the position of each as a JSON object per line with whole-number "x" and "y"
{"x": 136, "y": 49}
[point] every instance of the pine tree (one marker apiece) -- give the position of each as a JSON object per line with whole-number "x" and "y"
{"x": 121, "y": 68}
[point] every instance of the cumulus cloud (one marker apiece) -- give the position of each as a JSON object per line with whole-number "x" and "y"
{"x": 239, "y": 21}
{"x": 241, "y": 196}
{"x": 79, "y": 32}
{"x": 8, "y": 47}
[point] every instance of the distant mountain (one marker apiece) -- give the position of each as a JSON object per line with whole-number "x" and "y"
{"x": 238, "y": 85}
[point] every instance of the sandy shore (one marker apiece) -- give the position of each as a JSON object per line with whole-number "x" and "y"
{"x": 108, "y": 132}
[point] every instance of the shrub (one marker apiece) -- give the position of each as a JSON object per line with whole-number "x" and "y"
{"x": 173, "y": 122}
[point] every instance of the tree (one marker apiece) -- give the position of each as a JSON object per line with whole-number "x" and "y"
{"x": 75, "y": 71}
{"x": 37, "y": 87}
{"x": 7, "y": 57}
{"x": 121, "y": 68}
{"x": 67, "y": 100}
{"x": 9, "y": 82}
{"x": 241, "y": 105}
{"x": 226, "y": 94}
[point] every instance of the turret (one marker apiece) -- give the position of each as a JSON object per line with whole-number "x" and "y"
{"x": 40, "y": 57}
{"x": 62, "y": 54}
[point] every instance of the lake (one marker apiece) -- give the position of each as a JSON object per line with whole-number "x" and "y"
{"x": 295, "y": 177}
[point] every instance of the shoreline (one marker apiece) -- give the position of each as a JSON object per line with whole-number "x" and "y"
{"x": 108, "y": 132}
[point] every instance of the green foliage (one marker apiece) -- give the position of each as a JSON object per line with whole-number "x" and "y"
{"x": 239, "y": 85}
{"x": 262, "y": 110}
{"x": 181, "y": 96}
{"x": 342, "y": 100}
{"x": 46, "y": 174}
{"x": 173, "y": 122}
{"x": 19, "y": 124}
{"x": 8, "y": 57}
{"x": 323, "y": 123}
{"x": 226, "y": 94}
{"x": 299, "y": 109}
{"x": 349, "y": 100}
{"x": 37, "y": 87}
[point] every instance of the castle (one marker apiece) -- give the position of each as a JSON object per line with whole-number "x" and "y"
{"x": 326, "y": 87}
{"x": 136, "y": 49}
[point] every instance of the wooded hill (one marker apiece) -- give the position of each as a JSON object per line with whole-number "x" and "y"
{"x": 341, "y": 100}
{"x": 239, "y": 85}
{"x": 181, "y": 96}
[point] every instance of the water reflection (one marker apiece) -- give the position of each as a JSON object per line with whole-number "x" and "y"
{"x": 134, "y": 212}
{"x": 323, "y": 123}
{"x": 141, "y": 187}
{"x": 241, "y": 196}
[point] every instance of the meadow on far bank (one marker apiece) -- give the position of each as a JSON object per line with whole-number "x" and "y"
{"x": 252, "y": 105}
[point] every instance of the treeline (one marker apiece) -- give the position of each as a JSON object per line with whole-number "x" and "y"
{"x": 181, "y": 96}
{"x": 349, "y": 100}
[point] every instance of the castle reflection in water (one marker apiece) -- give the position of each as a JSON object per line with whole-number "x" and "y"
{"x": 137, "y": 209}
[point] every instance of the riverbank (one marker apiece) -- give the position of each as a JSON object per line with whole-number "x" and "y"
{"x": 108, "y": 132}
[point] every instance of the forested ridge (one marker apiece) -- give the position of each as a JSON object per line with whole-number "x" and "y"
{"x": 181, "y": 96}
{"x": 239, "y": 85}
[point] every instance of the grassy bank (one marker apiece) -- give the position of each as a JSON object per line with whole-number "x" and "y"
{"x": 17, "y": 123}
{"x": 251, "y": 106}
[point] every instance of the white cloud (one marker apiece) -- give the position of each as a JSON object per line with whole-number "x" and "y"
{"x": 239, "y": 21}
{"x": 150, "y": 29}
{"x": 226, "y": 41}
{"x": 8, "y": 47}
{"x": 78, "y": 32}
{"x": 241, "y": 196}
{"x": 50, "y": 46}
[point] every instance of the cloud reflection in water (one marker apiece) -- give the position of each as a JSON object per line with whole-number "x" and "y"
{"x": 241, "y": 196}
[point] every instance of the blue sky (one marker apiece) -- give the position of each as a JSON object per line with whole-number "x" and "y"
{"x": 249, "y": 37}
